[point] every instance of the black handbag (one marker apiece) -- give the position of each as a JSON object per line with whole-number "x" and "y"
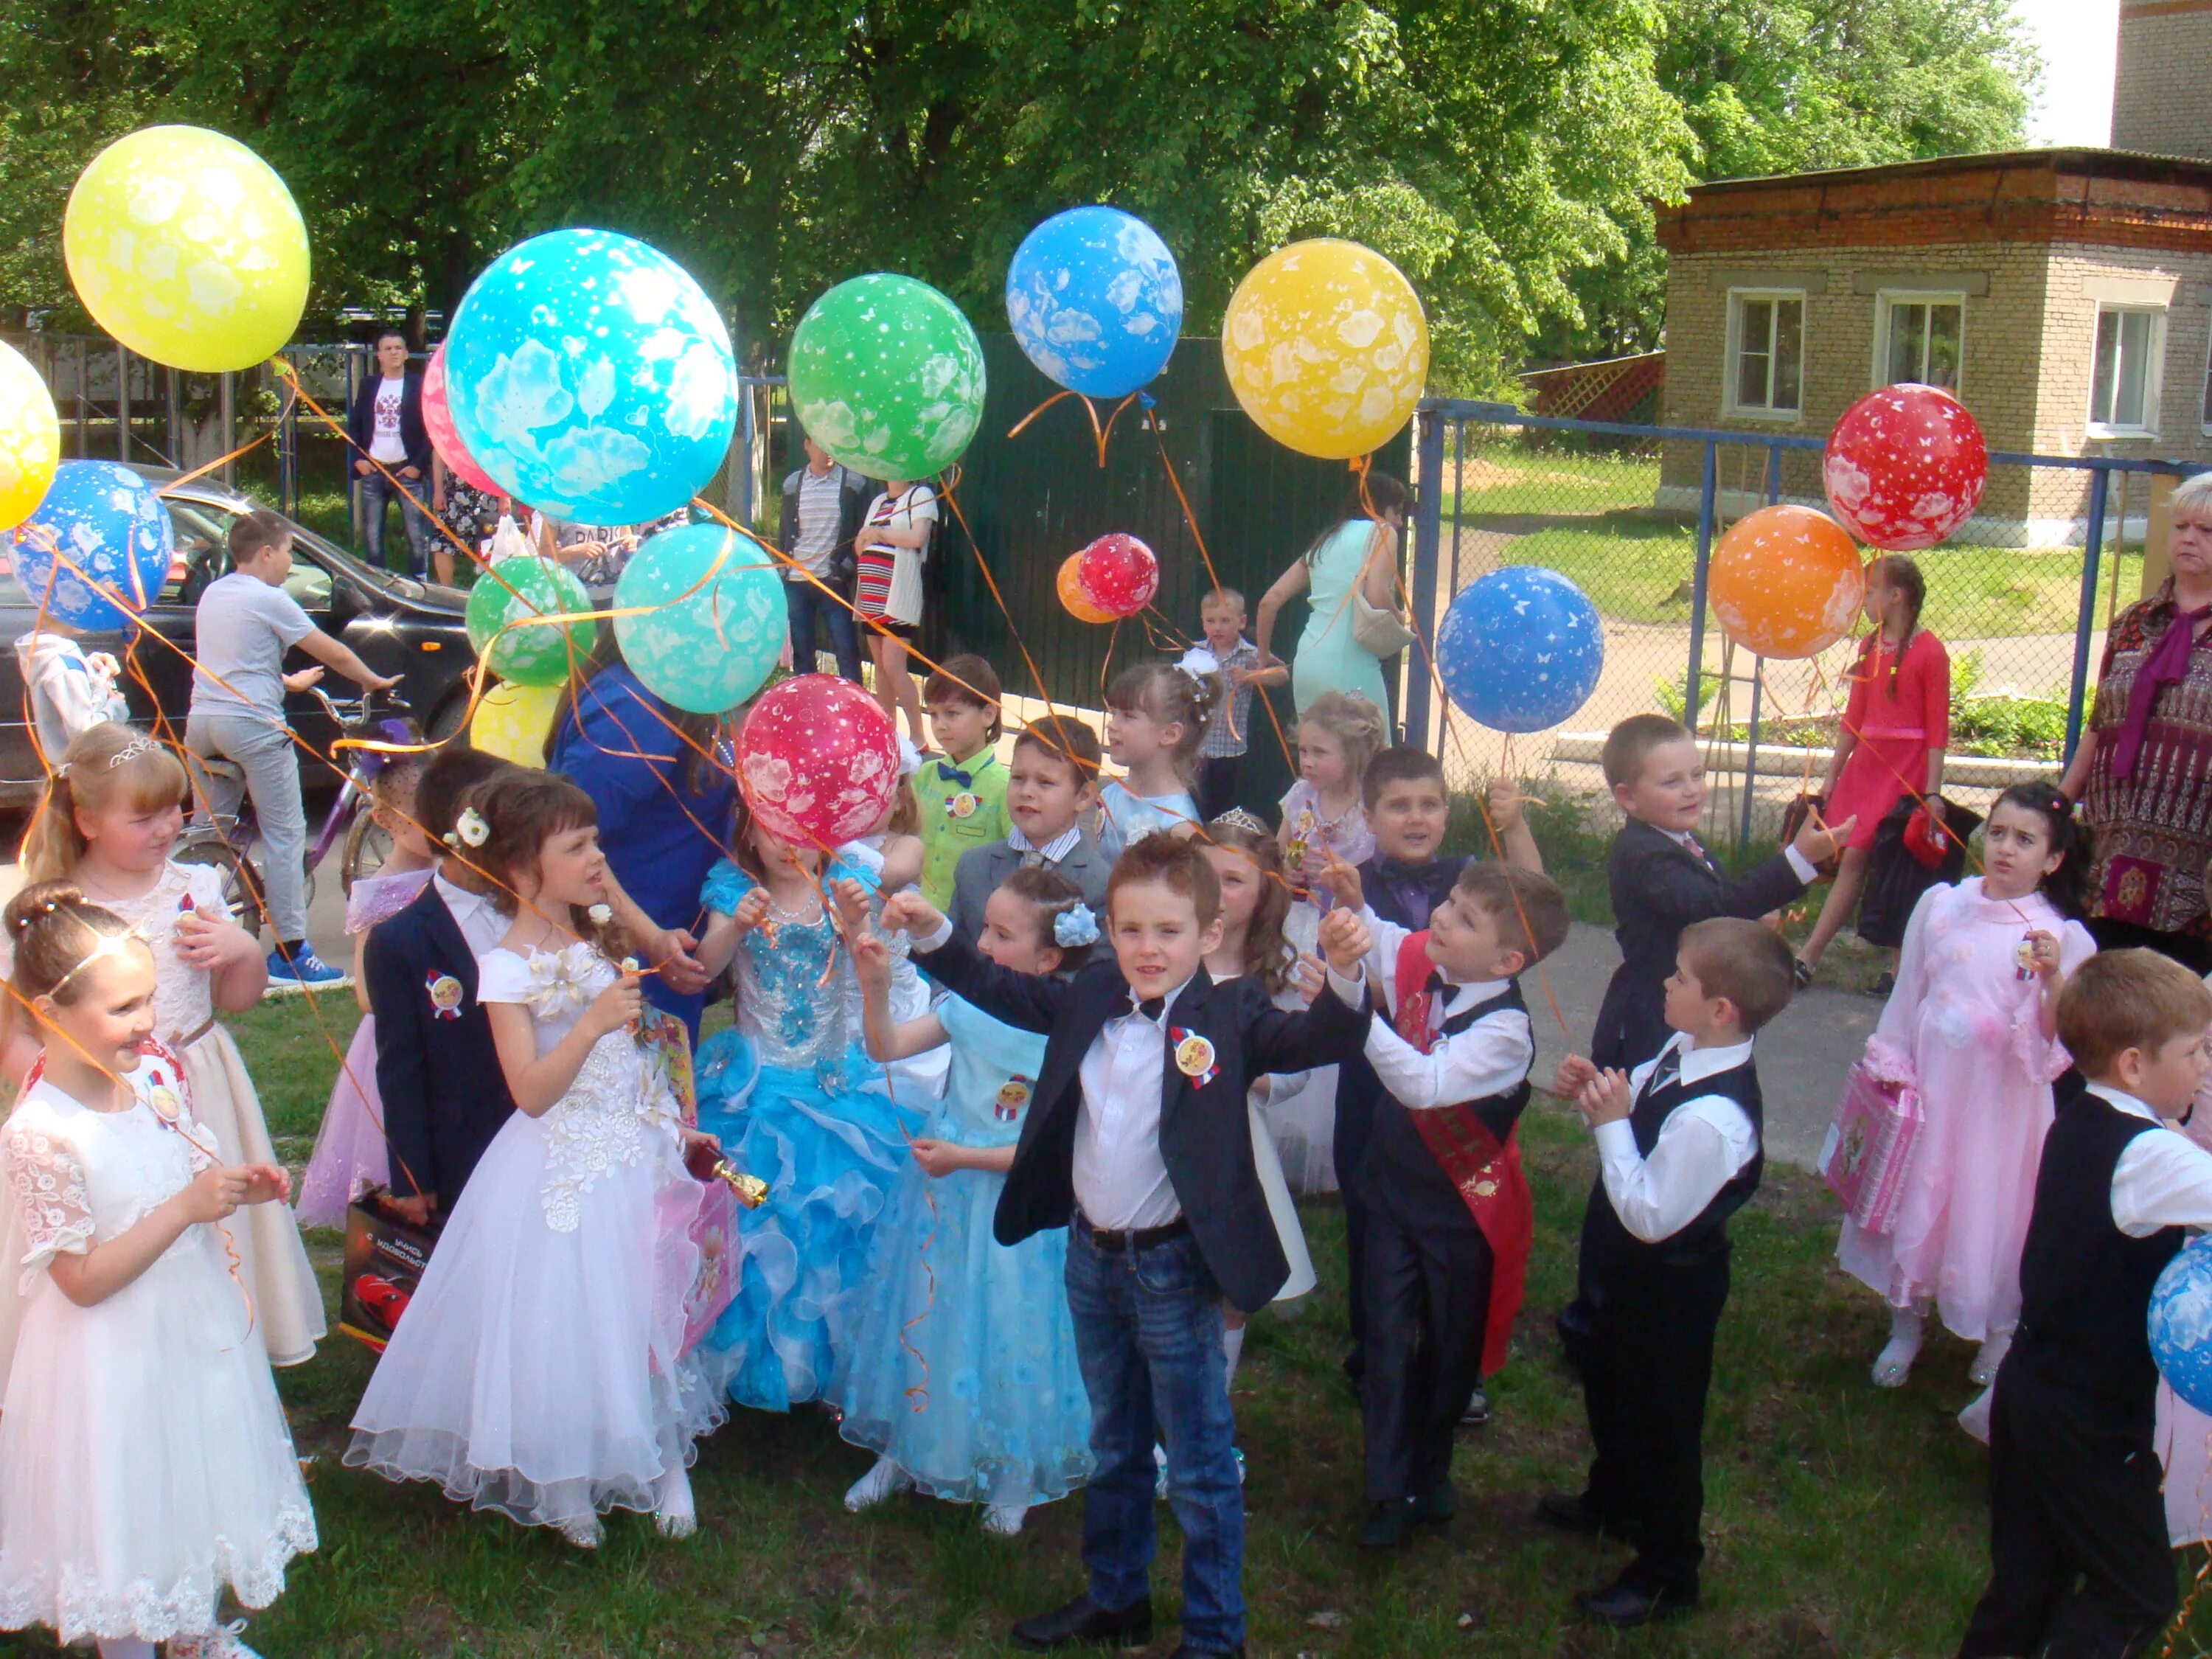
{"x": 1895, "y": 879}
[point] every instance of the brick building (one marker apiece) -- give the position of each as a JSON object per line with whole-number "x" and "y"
{"x": 2159, "y": 105}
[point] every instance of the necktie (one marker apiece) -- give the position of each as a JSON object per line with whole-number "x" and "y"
{"x": 1697, "y": 850}
{"x": 1153, "y": 1007}
{"x": 1666, "y": 1072}
{"x": 948, "y": 773}
{"x": 1032, "y": 859}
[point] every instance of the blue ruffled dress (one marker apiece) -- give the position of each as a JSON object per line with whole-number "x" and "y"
{"x": 1003, "y": 1415}
{"x": 783, "y": 1092}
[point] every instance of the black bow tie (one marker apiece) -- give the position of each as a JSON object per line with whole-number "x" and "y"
{"x": 1396, "y": 870}
{"x": 1438, "y": 987}
{"x": 948, "y": 773}
{"x": 1153, "y": 1007}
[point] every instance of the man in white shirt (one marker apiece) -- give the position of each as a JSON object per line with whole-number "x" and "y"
{"x": 823, "y": 506}
{"x": 392, "y": 459}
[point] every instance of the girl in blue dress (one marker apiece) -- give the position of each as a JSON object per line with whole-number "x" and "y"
{"x": 1156, "y": 717}
{"x": 784, "y": 1093}
{"x": 960, "y": 1372}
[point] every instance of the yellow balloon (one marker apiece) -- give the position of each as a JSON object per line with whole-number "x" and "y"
{"x": 1326, "y": 348}
{"x": 185, "y": 247}
{"x": 514, "y": 721}
{"x": 30, "y": 438}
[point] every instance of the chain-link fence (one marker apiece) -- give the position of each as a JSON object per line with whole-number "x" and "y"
{"x": 2021, "y": 597}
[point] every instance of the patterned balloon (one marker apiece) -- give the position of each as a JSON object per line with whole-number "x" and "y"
{"x": 185, "y": 247}
{"x": 1118, "y": 574}
{"x": 591, "y": 377}
{"x": 715, "y": 616}
{"x": 1095, "y": 301}
{"x": 30, "y": 438}
{"x": 1520, "y": 649}
{"x": 1786, "y": 581}
{"x": 1904, "y": 467}
{"x": 1070, "y": 584}
{"x": 511, "y": 592}
{"x": 1326, "y": 348}
{"x": 514, "y": 721}
{"x": 818, "y": 760}
{"x": 887, "y": 376}
{"x": 2181, "y": 1323}
{"x": 438, "y": 421}
{"x": 101, "y": 523}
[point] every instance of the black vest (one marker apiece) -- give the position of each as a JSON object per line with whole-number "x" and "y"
{"x": 2084, "y": 1285}
{"x": 1609, "y": 1248}
{"x": 1398, "y": 1159}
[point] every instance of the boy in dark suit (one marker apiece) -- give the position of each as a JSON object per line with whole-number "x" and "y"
{"x": 1679, "y": 1152}
{"x": 1052, "y": 785}
{"x": 1663, "y": 880}
{"x": 1139, "y": 1141}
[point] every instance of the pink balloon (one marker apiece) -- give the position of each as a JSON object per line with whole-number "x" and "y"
{"x": 818, "y": 760}
{"x": 438, "y": 418}
{"x": 1118, "y": 574}
{"x": 1904, "y": 467}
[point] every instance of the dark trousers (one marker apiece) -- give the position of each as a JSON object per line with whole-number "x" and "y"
{"x": 2079, "y": 1563}
{"x": 2194, "y": 954}
{"x": 1645, "y": 1372}
{"x": 1216, "y": 790}
{"x": 806, "y": 602}
{"x": 1427, "y": 1302}
{"x": 1358, "y": 1089}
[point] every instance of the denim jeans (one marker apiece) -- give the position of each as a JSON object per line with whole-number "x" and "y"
{"x": 1148, "y": 1336}
{"x": 375, "y": 490}
{"x": 262, "y": 746}
{"x": 807, "y": 602}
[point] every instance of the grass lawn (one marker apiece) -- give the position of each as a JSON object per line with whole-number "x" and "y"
{"x": 1843, "y": 1520}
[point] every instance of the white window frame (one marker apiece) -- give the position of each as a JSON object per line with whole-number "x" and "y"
{"x": 2154, "y": 371}
{"x": 1730, "y": 352}
{"x": 1887, "y": 299}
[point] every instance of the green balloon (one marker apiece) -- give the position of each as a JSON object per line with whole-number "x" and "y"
{"x": 887, "y": 376}
{"x": 514, "y": 590}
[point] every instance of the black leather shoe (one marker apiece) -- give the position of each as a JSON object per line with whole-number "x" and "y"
{"x": 1435, "y": 1509}
{"x": 1478, "y": 1411}
{"x": 1386, "y": 1524}
{"x": 1082, "y": 1623}
{"x": 1568, "y": 1512}
{"x": 1622, "y": 1607}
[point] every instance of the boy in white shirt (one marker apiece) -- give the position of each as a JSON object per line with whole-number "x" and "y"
{"x": 1679, "y": 1152}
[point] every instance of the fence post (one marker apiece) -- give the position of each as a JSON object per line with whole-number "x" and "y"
{"x": 1707, "y": 490}
{"x": 1428, "y": 504}
{"x": 288, "y": 441}
{"x": 746, "y": 514}
{"x": 122, "y": 405}
{"x": 1758, "y": 679}
{"x": 2092, "y": 545}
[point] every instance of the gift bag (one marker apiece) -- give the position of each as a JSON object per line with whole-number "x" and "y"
{"x": 667, "y": 1047}
{"x": 714, "y": 1233}
{"x": 384, "y": 1258}
{"x": 1869, "y": 1150}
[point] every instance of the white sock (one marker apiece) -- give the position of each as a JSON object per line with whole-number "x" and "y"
{"x": 1232, "y": 1349}
{"x": 877, "y": 1485}
{"x": 1894, "y": 1364}
{"x": 1004, "y": 1520}
{"x": 124, "y": 1647}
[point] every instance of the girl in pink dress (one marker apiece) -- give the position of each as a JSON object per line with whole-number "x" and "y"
{"x": 1890, "y": 741}
{"x": 350, "y": 1154}
{"x": 1971, "y": 1026}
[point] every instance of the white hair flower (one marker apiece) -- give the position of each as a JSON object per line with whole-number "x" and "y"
{"x": 601, "y": 915}
{"x": 472, "y": 828}
{"x": 1075, "y": 925}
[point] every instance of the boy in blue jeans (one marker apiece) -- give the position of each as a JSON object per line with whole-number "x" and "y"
{"x": 245, "y": 624}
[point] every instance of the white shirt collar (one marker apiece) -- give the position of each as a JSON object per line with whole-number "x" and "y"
{"x": 458, "y": 899}
{"x": 1466, "y": 993}
{"x": 1698, "y": 1064}
{"x": 1054, "y": 850}
{"x": 2121, "y": 1100}
{"x": 1682, "y": 838}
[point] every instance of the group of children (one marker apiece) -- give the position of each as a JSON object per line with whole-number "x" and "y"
{"x": 1015, "y": 1224}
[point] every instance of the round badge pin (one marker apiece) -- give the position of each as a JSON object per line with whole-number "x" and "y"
{"x": 1194, "y": 1056}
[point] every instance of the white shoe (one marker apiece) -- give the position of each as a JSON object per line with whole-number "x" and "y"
{"x": 1004, "y": 1520}
{"x": 585, "y": 1533}
{"x": 877, "y": 1485}
{"x": 1894, "y": 1363}
{"x": 220, "y": 1642}
{"x": 1984, "y": 1371}
{"x": 674, "y": 1513}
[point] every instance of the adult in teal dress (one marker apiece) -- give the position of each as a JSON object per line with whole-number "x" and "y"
{"x": 1360, "y": 550}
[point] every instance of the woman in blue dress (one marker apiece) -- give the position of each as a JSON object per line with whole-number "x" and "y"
{"x": 1359, "y": 552}
{"x": 783, "y": 1093}
{"x": 960, "y": 1372}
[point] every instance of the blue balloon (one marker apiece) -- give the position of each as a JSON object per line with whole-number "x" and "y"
{"x": 714, "y": 617}
{"x": 2181, "y": 1323}
{"x": 590, "y": 376}
{"x": 1096, "y": 301}
{"x": 101, "y": 524}
{"x": 1521, "y": 649}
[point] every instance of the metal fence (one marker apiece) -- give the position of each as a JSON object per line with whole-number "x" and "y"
{"x": 2021, "y": 597}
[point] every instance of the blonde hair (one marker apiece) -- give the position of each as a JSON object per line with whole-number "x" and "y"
{"x": 105, "y": 766}
{"x": 1356, "y": 724}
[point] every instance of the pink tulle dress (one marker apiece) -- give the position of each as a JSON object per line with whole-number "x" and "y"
{"x": 1962, "y": 1028}
{"x": 350, "y": 1156}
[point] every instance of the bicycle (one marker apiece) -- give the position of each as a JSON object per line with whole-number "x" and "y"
{"x": 230, "y": 845}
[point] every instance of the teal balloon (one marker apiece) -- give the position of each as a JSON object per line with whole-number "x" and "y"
{"x": 529, "y": 656}
{"x": 887, "y": 376}
{"x": 714, "y": 617}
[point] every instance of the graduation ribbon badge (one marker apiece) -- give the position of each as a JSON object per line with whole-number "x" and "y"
{"x": 445, "y": 995}
{"x": 1194, "y": 1056}
{"x": 1013, "y": 1095}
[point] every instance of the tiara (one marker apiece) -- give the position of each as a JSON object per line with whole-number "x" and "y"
{"x": 1237, "y": 818}
{"x": 141, "y": 744}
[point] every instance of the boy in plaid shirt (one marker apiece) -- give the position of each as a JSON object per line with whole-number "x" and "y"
{"x": 1227, "y": 653}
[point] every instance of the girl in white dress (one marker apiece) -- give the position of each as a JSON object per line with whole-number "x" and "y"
{"x": 145, "y": 1466}
{"x": 539, "y": 1370}
{"x": 111, "y": 813}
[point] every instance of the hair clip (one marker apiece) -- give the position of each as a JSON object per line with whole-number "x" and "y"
{"x": 1074, "y": 926}
{"x": 471, "y": 828}
{"x": 1237, "y": 818}
{"x": 130, "y": 751}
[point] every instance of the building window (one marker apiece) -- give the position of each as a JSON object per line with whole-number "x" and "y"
{"x": 1920, "y": 337}
{"x": 1766, "y": 353}
{"x": 2124, "y": 379}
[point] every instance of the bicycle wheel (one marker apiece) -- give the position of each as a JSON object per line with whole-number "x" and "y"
{"x": 367, "y": 847}
{"x": 241, "y": 883}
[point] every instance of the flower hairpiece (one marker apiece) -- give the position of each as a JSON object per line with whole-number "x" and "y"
{"x": 1237, "y": 818}
{"x": 469, "y": 830}
{"x": 1075, "y": 925}
{"x": 600, "y": 914}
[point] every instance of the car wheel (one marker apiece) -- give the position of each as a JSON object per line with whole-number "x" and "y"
{"x": 367, "y": 847}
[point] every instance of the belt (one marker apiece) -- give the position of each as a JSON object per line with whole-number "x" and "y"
{"x": 180, "y": 1044}
{"x": 1130, "y": 1238}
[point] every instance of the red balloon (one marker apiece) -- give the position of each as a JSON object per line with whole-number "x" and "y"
{"x": 818, "y": 760}
{"x": 1118, "y": 574}
{"x": 1904, "y": 467}
{"x": 438, "y": 420}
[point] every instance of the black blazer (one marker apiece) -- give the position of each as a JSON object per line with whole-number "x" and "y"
{"x": 439, "y": 1080}
{"x": 1659, "y": 888}
{"x": 414, "y": 436}
{"x": 1206, "y": 1134}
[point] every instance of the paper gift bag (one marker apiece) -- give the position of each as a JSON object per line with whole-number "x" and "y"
{"x": 1869, "y": 1147}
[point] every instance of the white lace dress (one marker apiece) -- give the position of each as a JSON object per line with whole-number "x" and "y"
{"x": 537, "y": 1370}
{"x": 145, "y": 1466}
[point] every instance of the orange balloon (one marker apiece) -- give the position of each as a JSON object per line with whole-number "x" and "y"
{"x": 1072, "y": 595}
{"x": 1786, "y": 581}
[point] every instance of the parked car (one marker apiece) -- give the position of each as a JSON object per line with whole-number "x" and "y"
{"x": 397, "y": 625}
